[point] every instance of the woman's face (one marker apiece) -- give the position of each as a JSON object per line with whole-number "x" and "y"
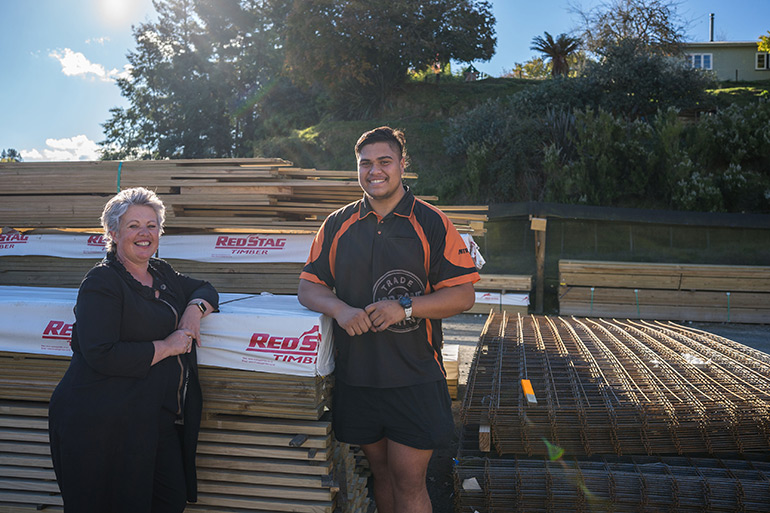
{"x": 138, "y": 235}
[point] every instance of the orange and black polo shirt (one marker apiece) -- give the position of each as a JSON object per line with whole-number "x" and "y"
{"x": 364, "y": 258}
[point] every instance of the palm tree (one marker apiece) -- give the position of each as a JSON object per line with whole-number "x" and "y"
{"x": 557, "y": 50}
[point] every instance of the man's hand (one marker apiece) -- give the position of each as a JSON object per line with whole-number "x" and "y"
{"x": 385, "y": 313}
{"x": 353, "y": 320}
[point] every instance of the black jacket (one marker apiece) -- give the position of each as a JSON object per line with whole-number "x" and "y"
{"x": 105, "y": 413}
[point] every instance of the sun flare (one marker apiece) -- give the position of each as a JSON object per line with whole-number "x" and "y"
{"x": 118, "y": 12}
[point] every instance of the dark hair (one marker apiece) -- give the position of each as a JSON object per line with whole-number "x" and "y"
{"x": 394, "y": 137}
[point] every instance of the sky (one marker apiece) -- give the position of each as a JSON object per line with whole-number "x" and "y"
{"x": 61, "y": 57}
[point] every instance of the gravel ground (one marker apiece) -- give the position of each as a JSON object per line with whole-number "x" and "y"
{"x": 465, "y": 330}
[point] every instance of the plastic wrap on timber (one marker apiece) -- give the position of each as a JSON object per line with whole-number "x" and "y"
{"x": 635, "y": 483}
{"x": 200, "y": 194}
{"x": 615, "y": 387}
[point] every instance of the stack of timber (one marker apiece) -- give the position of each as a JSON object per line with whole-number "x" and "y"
{"x": 265, "y": 444}
{"x": 711, "y": 293}
{"x": 611, "y": 390}
{"x": 256, "y": 194}
{"x": 249, "y": 278}
{"x": 501, "y": 284}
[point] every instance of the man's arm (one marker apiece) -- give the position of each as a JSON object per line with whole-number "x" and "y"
{"x": 440, "y": 304}
{"x": 320, "y": 298}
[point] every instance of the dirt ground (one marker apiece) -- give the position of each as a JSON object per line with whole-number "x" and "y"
{"x": 465, "y": 331}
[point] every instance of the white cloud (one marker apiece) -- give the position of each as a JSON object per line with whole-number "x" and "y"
{"x": 76, "y": 64}
{"x": 79, "y": 147}
{"x": 97, "y": 40}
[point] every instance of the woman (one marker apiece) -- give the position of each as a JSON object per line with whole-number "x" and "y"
{"x": 124, "y": 419}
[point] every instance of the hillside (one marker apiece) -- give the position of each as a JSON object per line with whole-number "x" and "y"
{"x": 421, "y": 109}
{"x": 424, "y": 110}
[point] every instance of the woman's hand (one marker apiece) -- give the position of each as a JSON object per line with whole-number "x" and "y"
{"x": 191, "y": 319}
{"x": 179, "y": 342}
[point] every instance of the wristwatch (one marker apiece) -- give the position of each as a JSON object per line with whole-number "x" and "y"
{"x": 201, "y": 306}
{"x": 406, "y": 303}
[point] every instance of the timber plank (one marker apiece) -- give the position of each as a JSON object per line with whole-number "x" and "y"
{"x": 266, "y": 491}
{"x": 28, "y": 473}
{"x": 506, "y": 282}
{"x": 257, "y": 464}
{"x": 30, "y": 497}
{"x": 236, "y": 437}
{"x": 290, "y": 453}
{"x": 263, "y": 478}
{"x": 216, "y": 500}
{"x": 267, "y": 425}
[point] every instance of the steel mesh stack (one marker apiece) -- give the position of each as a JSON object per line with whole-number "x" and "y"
{"x": 609, "y": 388}
{"x": 611, "y": 484}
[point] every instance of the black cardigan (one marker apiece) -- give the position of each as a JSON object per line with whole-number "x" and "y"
{"x": 105, "y": 413}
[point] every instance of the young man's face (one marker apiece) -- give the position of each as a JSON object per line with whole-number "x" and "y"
{"x": 380, "y": 167}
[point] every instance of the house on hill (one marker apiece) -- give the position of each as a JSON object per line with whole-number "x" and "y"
{"x": 730, "y": 60}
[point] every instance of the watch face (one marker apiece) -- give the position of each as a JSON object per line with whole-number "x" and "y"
{"x": 405, "y": 301}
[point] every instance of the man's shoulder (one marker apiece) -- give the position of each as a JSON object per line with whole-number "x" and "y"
{"x": 343, "y": 214}
{"x": 427, "y": 214}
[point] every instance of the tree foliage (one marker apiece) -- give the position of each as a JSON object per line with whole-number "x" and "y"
{"x": 196, "y": 76}
{"x": 535, "y": 68}
{"x": 359, "y": 51}
{"x": 614, "y": 137}
{"x": 764, "y": 43}
{"x": 10, "y": 155}
{"x": 629, "y": 81}
{"x": 209, "y": 77}
{"x": 558, "y": 50}
{"x": 654, "y": 23}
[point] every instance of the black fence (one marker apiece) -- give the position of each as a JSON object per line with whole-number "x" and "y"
{"x": 621, "y": 235}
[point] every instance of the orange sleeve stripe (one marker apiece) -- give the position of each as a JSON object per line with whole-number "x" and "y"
{"x": 333, "y": 250}
{"x": 318, "y": 243}
{"x": 424, "y": 241}
{"x": 458, "y": 280}
{"x": 304, "y": 275}
{"x": 429, "y": 330}
{"x": 455, "y": 250}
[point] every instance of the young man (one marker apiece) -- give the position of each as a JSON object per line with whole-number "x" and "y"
{"x": 387, "y": 268}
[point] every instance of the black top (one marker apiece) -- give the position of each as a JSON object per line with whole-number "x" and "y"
{"x": 105, "y": 413}
{"x": 412, "y": 251}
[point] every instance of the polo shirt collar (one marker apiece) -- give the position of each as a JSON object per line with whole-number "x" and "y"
{"x": 404, "y": 207}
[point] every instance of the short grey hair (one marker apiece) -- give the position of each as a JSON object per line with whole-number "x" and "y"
{"x": 118, "y": 204}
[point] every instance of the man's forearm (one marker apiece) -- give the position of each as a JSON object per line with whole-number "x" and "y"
{"x": 444, "y": 302}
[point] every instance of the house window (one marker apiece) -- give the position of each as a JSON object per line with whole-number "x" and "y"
{"x": 762, "y": 61}
{"x": 700, "y": 60}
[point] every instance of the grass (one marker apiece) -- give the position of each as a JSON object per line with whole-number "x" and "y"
{"x": 742, "y": 93}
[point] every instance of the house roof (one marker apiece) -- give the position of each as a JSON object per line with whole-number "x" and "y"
{"x": 723, "y": 44}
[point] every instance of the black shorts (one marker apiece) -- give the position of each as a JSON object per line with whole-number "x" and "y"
{"x": 418, "y": 416}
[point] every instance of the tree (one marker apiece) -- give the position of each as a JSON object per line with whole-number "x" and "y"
{"x": 764, "y": 43}
{"x": 196, "y": 77}
{"x": 558, "y": 51}
{"x": 654, "y": 23}
{"x": 535, "y": 68}
{"x": 10, "y": 155}
{"x": 359, "y": 51}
